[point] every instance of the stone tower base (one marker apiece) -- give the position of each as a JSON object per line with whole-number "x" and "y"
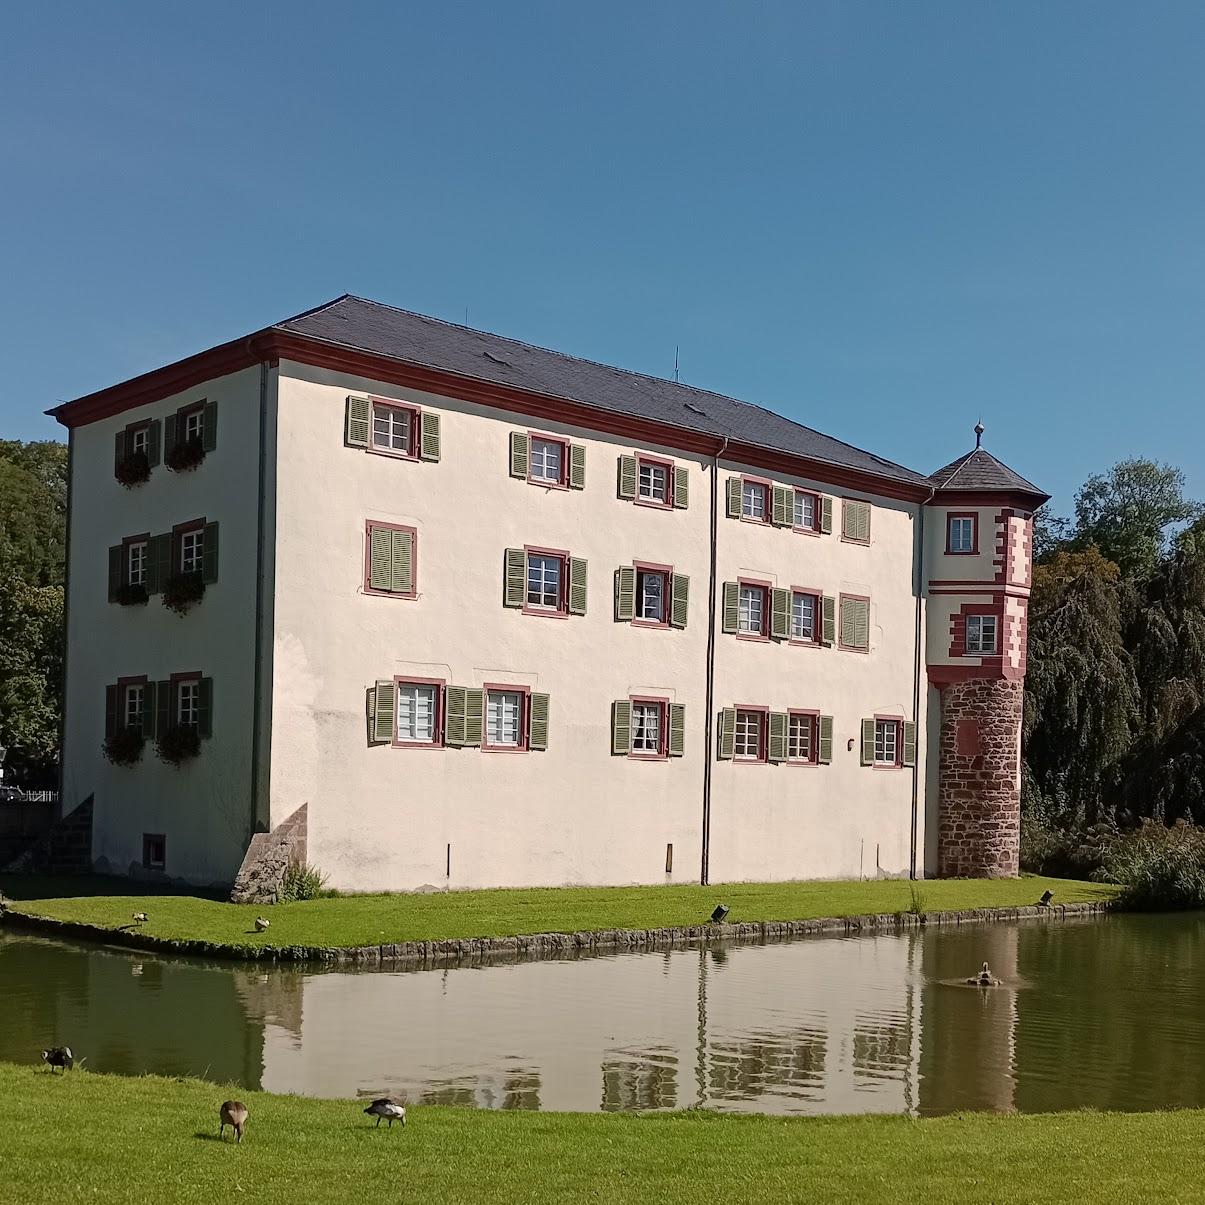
{"x": 979, "y": 798}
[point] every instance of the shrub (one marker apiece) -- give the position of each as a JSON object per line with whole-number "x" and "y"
{"x": 1160, "y": 867}
{"x": 302, "y": 882}
{"x": 185, "y": 455}
{"x": 182, "y": 590}
{"x": 178, "y": 744}
{"x": 133, "y": 469}
{"x": 132, "y": 595}
{"x": 1075, "y": 852}
{"x": 124, "y": 747}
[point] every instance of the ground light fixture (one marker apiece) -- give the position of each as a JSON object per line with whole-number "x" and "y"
{"x": 721, "y": 911}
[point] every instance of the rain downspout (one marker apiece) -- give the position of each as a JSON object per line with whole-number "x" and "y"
{"x": 257, "y": 777}
{"x": 919, "y": 578}
{"x": 709, "y": 710}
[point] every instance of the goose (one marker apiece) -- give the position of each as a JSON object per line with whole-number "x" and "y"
{"x": 984, "y": 978}
{"x": 233, "y": 1113}
{"x": 387, "y": 1107}
{"x": 1047, "y": 896}
{"x": 261, "y": 924}
{"x": 59, "y": 1056}
{"x": 140, "y": 918}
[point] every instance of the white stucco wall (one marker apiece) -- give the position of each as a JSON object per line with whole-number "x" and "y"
{"x": 203, "y": 807}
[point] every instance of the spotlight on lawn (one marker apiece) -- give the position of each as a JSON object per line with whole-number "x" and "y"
{"x": 721, "y": 911}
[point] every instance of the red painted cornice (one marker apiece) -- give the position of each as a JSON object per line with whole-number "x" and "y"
{"x": 1016, "y": 499}
{"x": 274, "y": 345}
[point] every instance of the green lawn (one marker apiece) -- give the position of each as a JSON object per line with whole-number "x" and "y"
{"x": 93, "y": 1138}
{"x": 358, "y": 920}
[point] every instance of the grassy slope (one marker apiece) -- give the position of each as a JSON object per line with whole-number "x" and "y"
{"x": 80, "y": 1137}
{"x": 373, "y": 919}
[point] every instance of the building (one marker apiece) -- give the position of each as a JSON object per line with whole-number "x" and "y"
{"x": 484, "y": 614}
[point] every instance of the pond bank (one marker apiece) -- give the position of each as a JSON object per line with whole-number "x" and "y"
{"x": 98, "y": 1138}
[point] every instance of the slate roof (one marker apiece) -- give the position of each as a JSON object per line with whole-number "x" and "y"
{"x": 980, "y": 470}
{"x": 401, "y": 335}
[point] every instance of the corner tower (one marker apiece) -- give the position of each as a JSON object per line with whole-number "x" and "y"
{"x": 978, "y": 570}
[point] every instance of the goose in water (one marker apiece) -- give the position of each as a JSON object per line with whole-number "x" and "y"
{"x": 59, "y": 1056}
{"x": 984, "y": 978}
{"x": 233, "y": 1113}
{"x": 392, "y": 1110}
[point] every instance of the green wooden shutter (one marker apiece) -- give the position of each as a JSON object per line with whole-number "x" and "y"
{"x": 824, "y": 755}
{"x": 514, "y": 588}
{"x": 778, "y": 736}
{"x": 625, "y": 593}
{"x": 734, "y": 497}
{"x": 626, "y": 477}
{"x": 780, "y": 613}
{"x": 380, "y": 558}
{"x": 847, "y": 622}
{"x": 732, "y": 607}
{"x": 117, "y": 565}
{"x": 205, "y": 707}
{"x": 429, "y": 439}
{"x": 170, "y": 423}
{"x": 474, "y": 715}
{"x": 401, "y": 562}
{"x": 209, "y": 426}
{"x": 110, "y": 710}
{"x": 621, "y": 727}
{"x": 826, "y": 515}
{"x": 782, "y": 506}
{"x": 577, "y": 586}
{"x": 357, "y": 426}
{"x": 577, "y": 466}
{"x": 158, "y": 562}
{"x": 861, "y": 623}
{"x": 681, "y": 486}
{"x": 454, "y": 716}
{"x": 209, "y": 554}
{"x": 679, "y": 607}
{"x": 119, "y": 449}
{"x": 868, "y": 742}
{"x": 519, "y": 454}
{"x": 727, "y": 733}
{"x": 148, "y": 710}
{"x": 855, "y": 520}
{"x": 154, "y": 444}
{"x": 677, "y": 730}
{"x": 384, "y": 712}
{"x": 828, "y": 618}
{"x": 537, "y": 723}
{"x": 164, "y": 697}
{"x": 909, "y": 743}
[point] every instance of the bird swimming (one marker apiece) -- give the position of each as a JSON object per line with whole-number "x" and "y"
{"x": 233, "y": 1113}
{"x": 59, "y": 1056}
{"x": 261, "y": 924}
{"x": 387, "y": 1107}
{"x": 985, "y": 978}
{"x": 140, "y": 918}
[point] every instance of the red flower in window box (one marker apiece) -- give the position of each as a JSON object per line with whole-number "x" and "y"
{"x": 132, "y": 594}
{"x": 183, "y": 590}
{"x": 185, "y": 455}
{"x": 133, "y": 469}
{"x": 124, "y": 747}
{"x": 180, "y": 743}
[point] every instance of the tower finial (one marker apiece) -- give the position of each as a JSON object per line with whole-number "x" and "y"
{"x": 979, "y": 429}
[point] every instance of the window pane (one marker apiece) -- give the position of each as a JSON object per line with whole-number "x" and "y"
{"x": 544, "y": 581}
{"x": 753, "y": 500}
{"x": 805, "y": 510}
{"x": 186, "y": 708}
{"x": 391, "y": 428}
{"x": 416, "y": 712}
{"x": 799, "y": 738}
{"x": 886, "y": 736}
{"x": 803, "y": 617}
{"x": 133, "y": 714}
{"x": 654, "y": 481}
{"x": 192, "y": 424}
{"x": 140, "y": 439}
{"x": 962, "y": 535}
{"x": 137, "y": 567}
{"x": 748, "y": 734}
{"x": 547, "y": 457}
{"x": 646, "y": 727}
{"x": 752, "y": 607}
{"x": 191, "y": 551}
{"x": 651, "y": 596}
{"x": 504, "y": 710}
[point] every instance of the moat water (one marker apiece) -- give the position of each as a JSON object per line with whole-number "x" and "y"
{"x": 1104, "y": 1013}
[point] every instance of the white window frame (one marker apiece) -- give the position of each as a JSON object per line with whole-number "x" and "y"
{"x": 643, "y": 579}
{"x": 656, "y": 486}
{"x": 136, "y": 556}
{"x": 140, "y": 439}
{"x": 798, "y": 597}
{"x": 541, "y": 451}
{"x": 194, "y": 424}
{"x": 192, "y": 550}
{"x": 648, "y": 728}
{"x": 803, "y": 737}
{"x": 961, "y": 546}
{"x": 132, "y": 705}
{"x": 188, "y": 702}
{"x": 398, "y": 421}
{"x": 542, "y": 577}
{"x": 798, "y": 517}
{"x": 755, "y": 501}
{"x": 749, "y": 735}
{"x": 977, "y": 628}
{"x": 504, "y": 710}
{"x": 747, "y": 594}
{"x": 409, "y": 712}
{"x": 888, "y": 742}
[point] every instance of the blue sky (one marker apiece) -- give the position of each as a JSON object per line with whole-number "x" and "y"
{"x": 882, "y": 219}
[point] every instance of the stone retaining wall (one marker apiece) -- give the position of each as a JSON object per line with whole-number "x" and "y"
{"x": 267, "y": 858}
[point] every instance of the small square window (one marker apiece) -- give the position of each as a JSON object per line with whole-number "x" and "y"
{"x": 192, "y": 551}
{"x": 154, "y": 851}
{"x": 887, "y": 742}
{"x": 418, "y": 713}
{"x": 652, "y": 589}
{"x": 806, "y": 510}
{"x": 753, "y": 501}
{"x": 750, "y": 736}
{"x": 653, "y": 483}
{"x": 547, "y": 461}
{"x": 188, "y": 703}
{"x": 504, "y": 719}
{"x": 751, "y": 617}
{"x": 981, "y": 634}
{"x": 134, "y": 697}
{"x": 803, "y": 616}
{"x": 545, "y": 581}
{"x": 136, "y": 563}
{"x": 393, "y": 430}
{"x": 648, "y": 728}
{"x": 801, "y": 738}
{"x": 961, "y": 534}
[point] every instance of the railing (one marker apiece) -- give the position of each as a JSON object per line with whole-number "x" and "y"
{"x": 16, "y": 795}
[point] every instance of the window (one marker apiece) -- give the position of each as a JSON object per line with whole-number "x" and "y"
{"x": 135, "y": 697}
{"x": 136, "y": 563}
{"x": 652, "y": 589}
{"x": 545, "y": 574}
{"x": 154, "y": 851}
{"x": 887, "y": 742}
{"x": 753, "y": 610}
{"x": 654, "y": 483}
{"x": 804, "y": 609}
{"x": 192, "y": 551}
{"x": 417, "y": 713}
{"x": 855, "y": 622}
{"x": 393, "y": 429}
{"x": 801, "y": 737}
{"x": 962, "y": 534}
{"x": 194, "y": 425}
{"x": 981, "y": 634}
{"x": 753, "y": 501}
{"x": 648, "y": 728}
{"x": 188, "y": 703}
{"x": 855, "y": 521}
{"x": 504, "y": 727}
{"x": 390, "y": 559}
{"x": 750, "y": 741}
{"x": 547, "y": 461}
{"x": 140, "y": 440}
{"x": 807, "y": 512}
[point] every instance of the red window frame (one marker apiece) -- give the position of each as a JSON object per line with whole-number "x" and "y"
{"x": 766, "y": 588}
{"x": 661, "y": 463}
{"x": 524, "y": 717}
{"x": 898, "y": 721}
{"x": 410, "y": 594}
{"x": 813, "y": 718}
{"x": 853, "y": 648}
{"x": 562, "y": 611}
{"x": 767, "y": 495}
{"x": 962, "y": 514}
{"x": 994, "y": 616}
{"x": 666, "y": 573}
{"x": 148, "y": 843}
{"x": 414, "y": 413}
{"x": 817, "y": 617}
{"x": 849, "y": 539}
{"x": 563, "y": 483}
{"x": 440, "y": 685}
{"x": 178, "y": 533}
{"x": 763, "y": 740}
{"x": 126, "y": 542}
{"x": 662, "y": 705}
{"x": 174, "y": 684}
{"x": 814, "y": 530}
